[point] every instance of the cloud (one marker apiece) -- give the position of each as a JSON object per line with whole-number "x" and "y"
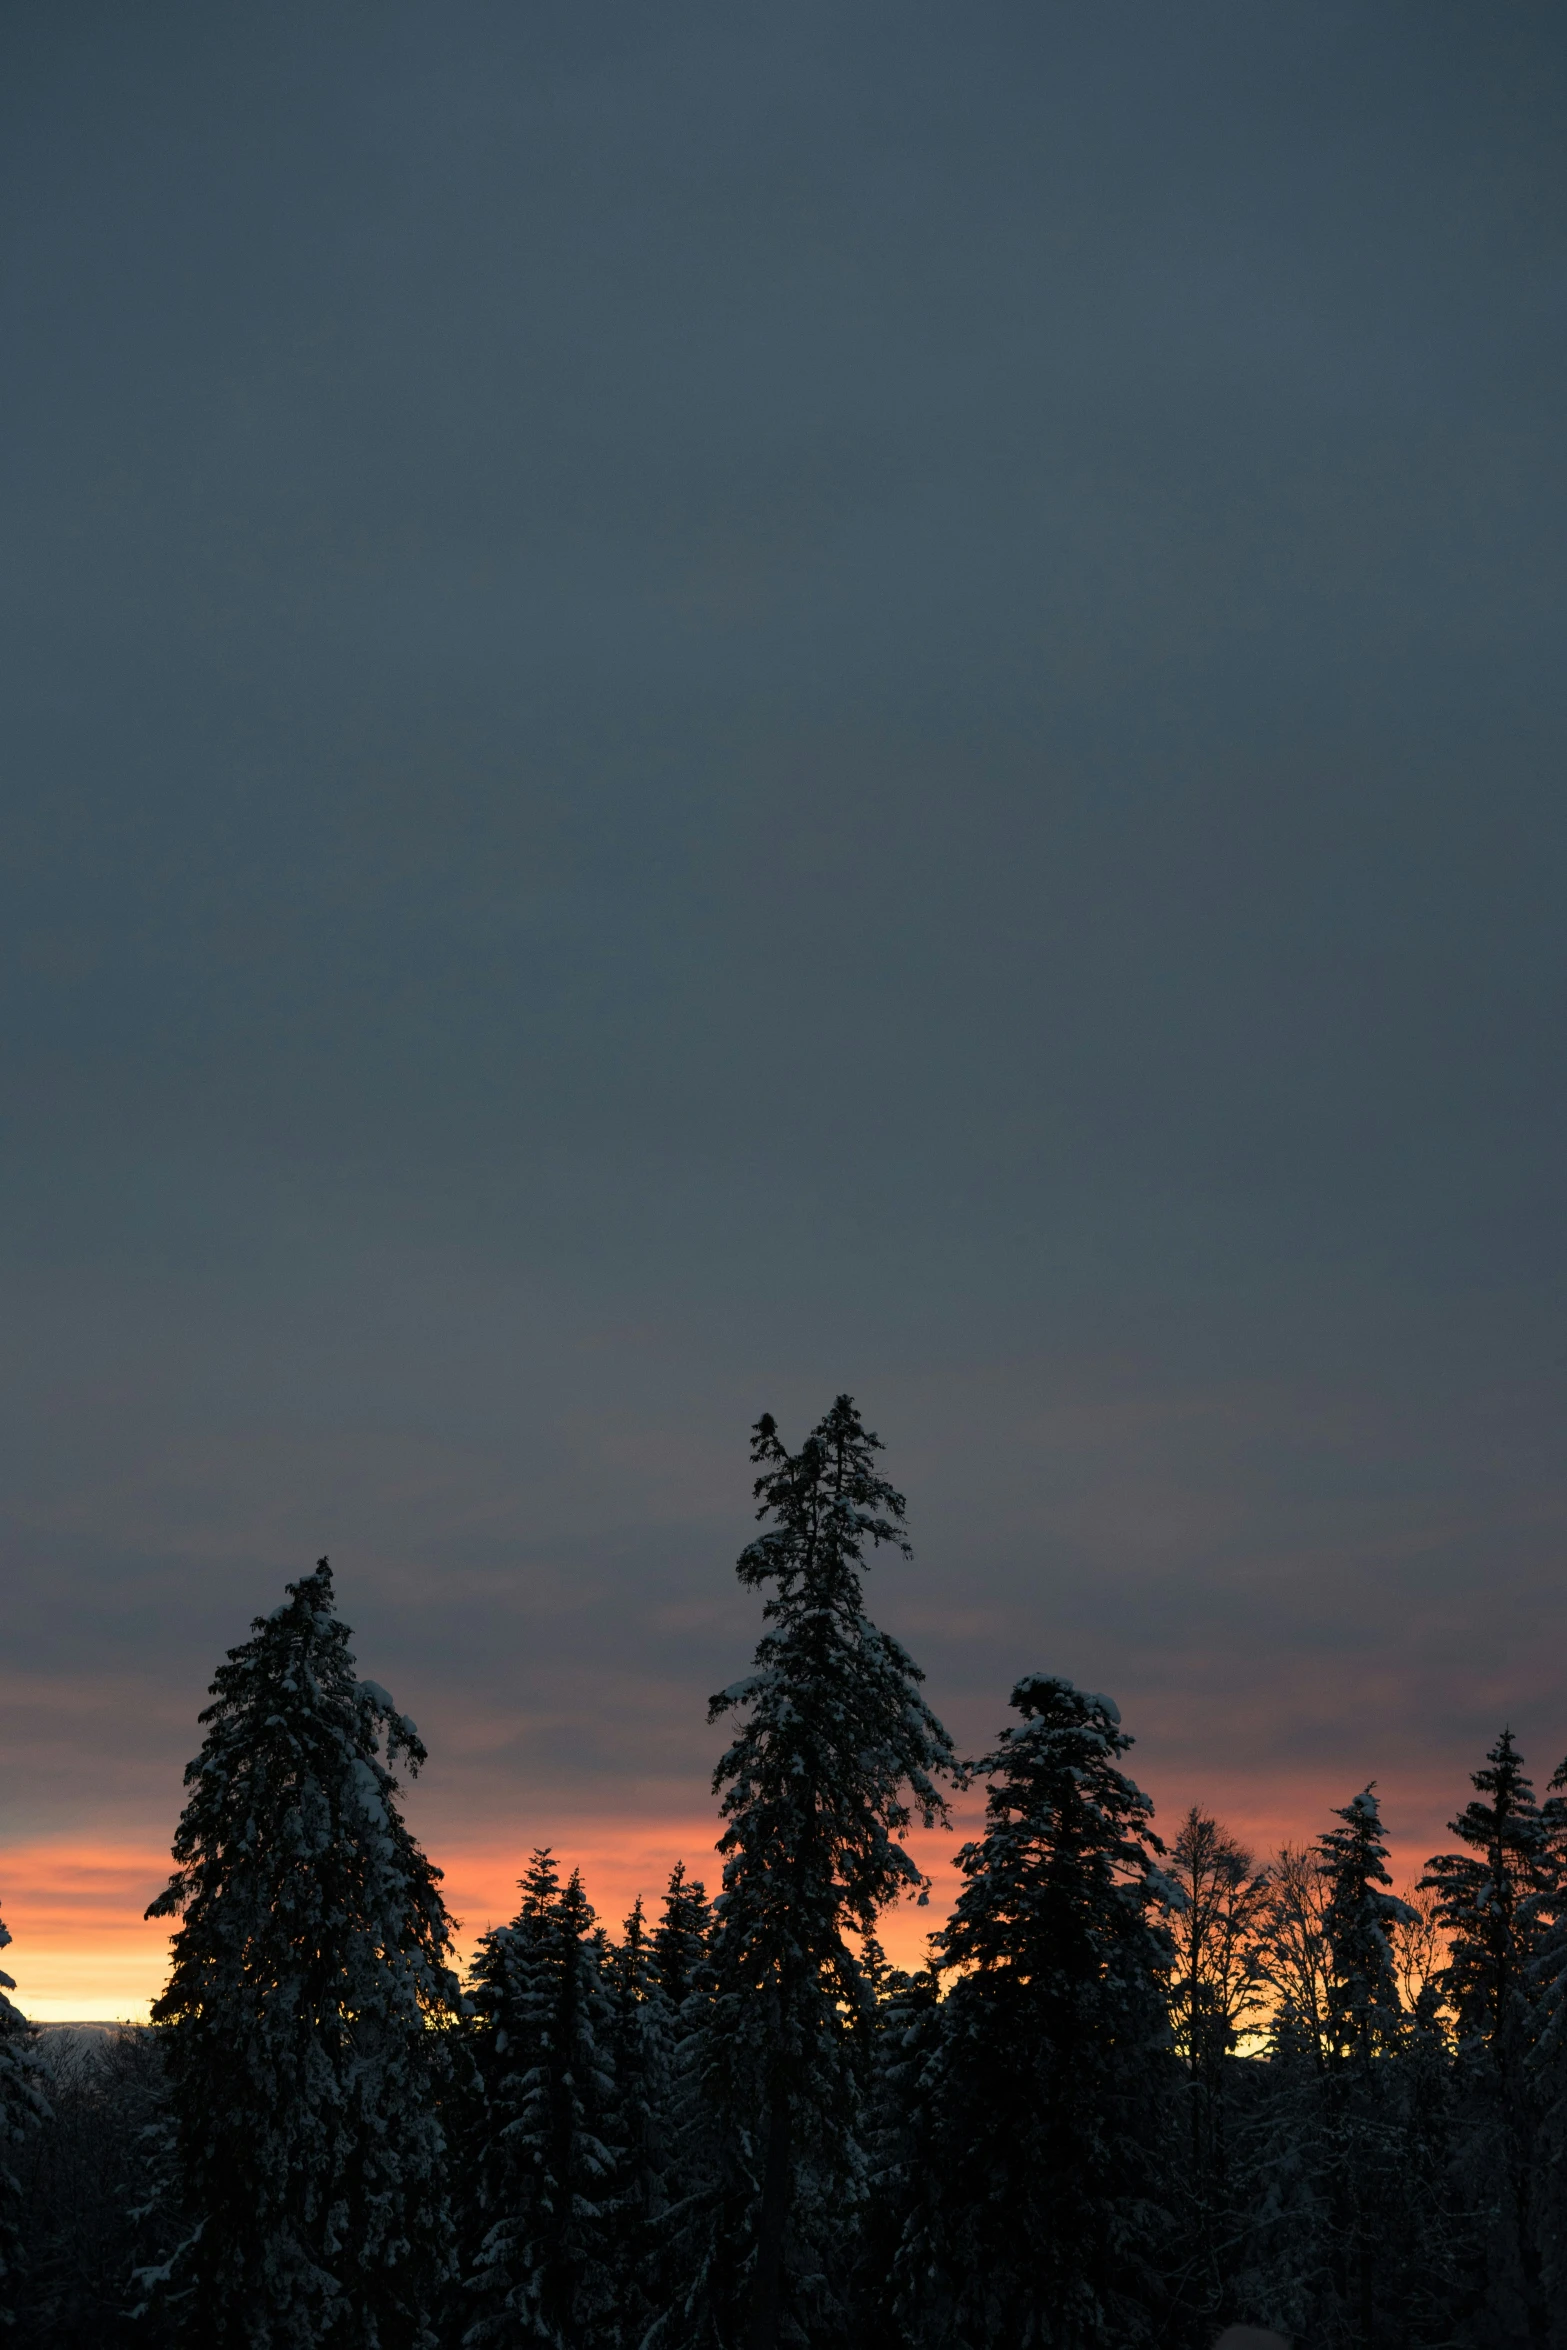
{"x": 708, "y": 709}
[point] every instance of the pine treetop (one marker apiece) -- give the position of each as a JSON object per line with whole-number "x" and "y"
{"x": 680, "y": 1939}
{"x": 1489, "y": 1897}
{"x": 813, "y": 1785}
{"x": 293, "y": 1863}
{"x": 828, "y": 1503}
{"x": 1356, "y": 1916}
{"x": 21, "y": 2099}
{"x": 1068, "y": 1861}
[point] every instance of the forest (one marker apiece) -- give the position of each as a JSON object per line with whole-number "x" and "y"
{"x": 1145, "y": 2087}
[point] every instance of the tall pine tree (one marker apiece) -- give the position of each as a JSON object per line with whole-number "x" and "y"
{"x": 301, "y": 2017}
{"x": 1547, "y": 1924}
{"x": 546, "y": 2170}
{"x": 1490, "y": 1900}
{"x": 640, "y": 2043}
{"x": 680, "y": 1939}
{"x": 22, "y": 2107}
{"x": 1366, "y": 2175}
{"x": 836, "y": 1752}
{"x": 1050, "y": 2097}
{"x": 1359, "y": 1915}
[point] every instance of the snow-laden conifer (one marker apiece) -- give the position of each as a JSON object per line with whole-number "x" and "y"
{"x": 1492, "y": 1898}
{"x": 1343, "y": 2217}
{"x": 309, "y": 1975}
{"x": 93, "y": 2209}
{"x": 546, "y": 2169}
{"x": 905, "y": 2037}
{"x": 1548, "y": 2053}
{"x": 680, "y": 1940}
{"x": 1359, "y": 1915}
{"x": 1489, "y": 1903}
{"x": 682, "y": 1989}
{"x": 640, "y": 2043}
{"x": 1364, "y": 2174}
{"x": 1048, "y": 2099}
{"x": 23, "y": 2106}
{"x": 836, "y": 1752}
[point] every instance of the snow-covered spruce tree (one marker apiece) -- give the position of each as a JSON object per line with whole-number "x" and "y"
{"x": 309, "y": 1976}
{"x": 1049, "y": 2102}
{"x": 1548, "y": 2054}
{"x": 906, "y": 2035}
{"x": 1377, "y": 2237}
{"x": 22, "y": 2107}
{"x": 680, "y": 1939}
{"x": 1345, "y": 2223}
{"x": 1358, "y": 1917}
{"x": 94, "y": 2208}
{"x": 835, "y": 1752}
{"x": 683, "y": 1977}
{"x": 545, "y": 2170}
{"x": 1492, "y": 1899}
{"x": 640, "y": 2045}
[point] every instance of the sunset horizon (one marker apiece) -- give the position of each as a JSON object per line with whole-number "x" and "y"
{"x": 782, "y": 859}
{"x": 83, "y": 1951}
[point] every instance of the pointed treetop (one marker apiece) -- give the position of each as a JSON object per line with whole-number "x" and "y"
{"x": 540, "y": 1888}
{"x": 681, "y": 1936}
{"x": 1357, "y": 1913}
{"x": 1069, "y": 1852}
{"x": 577, "y": 1914}
{"x": 1511, "y": 1815}
{"x": 827, "y": 1502}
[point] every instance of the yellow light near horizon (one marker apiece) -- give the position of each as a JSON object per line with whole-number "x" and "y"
{"x": 81, "y": 1950}
{"x": 83, "y": 1953}
{"x": 88, "y": 1984}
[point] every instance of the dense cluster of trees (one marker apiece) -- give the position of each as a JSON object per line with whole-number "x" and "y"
{"x": 1137, "y": 2093}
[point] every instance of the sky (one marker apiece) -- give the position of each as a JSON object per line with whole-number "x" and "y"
{"x": 709, "y": 705}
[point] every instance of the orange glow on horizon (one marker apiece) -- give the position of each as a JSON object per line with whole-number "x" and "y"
{"x": 82, "y": 1951}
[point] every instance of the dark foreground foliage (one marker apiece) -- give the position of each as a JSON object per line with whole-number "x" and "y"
{"x": 93, "y": 2192}
{"x": 1137, "y": 2094}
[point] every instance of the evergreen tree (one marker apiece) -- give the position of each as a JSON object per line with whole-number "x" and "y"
{"x": 640, "y": 2046}
{"x": 1341, "y": 2215}
{"x": 95, "y": 2211}
{"x": 1491, "y": 1900}
{"x": 1489, "y": 1897}
{"x": 309, "y": 1969}
{"x": 680, "y": 1939}
{"x": 836, "y": 1751}
{"x": 22, "y": 2107}
{"x": 546, "y": 2172}
{"x": 1048, "y": 2104}
{"x": 683, "y": 1979}
{"x": 1547, "y": 1924}
{"x": 1366, "y": 2178}
{"x": 905, "y": 2039}
{"x": 1358, "y": 1919}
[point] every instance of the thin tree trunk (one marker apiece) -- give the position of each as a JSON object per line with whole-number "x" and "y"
{"x": 767, "y": 2296}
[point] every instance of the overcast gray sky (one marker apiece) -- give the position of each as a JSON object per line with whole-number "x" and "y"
{"x": 711, "y": 703}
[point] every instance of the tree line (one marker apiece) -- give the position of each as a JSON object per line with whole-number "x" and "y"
{"x": 1137, "y": 2093}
